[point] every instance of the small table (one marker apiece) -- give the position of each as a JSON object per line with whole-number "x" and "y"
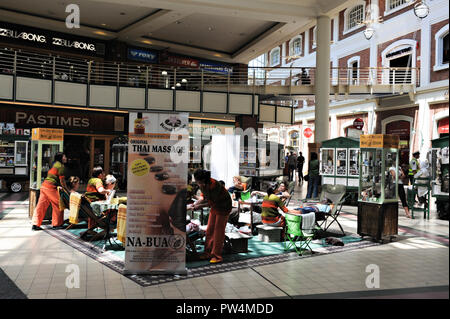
{"x": 252, "y": 204}
{"x": 100, "y": 207}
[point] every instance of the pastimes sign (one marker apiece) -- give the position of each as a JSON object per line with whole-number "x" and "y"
{"x": 68, "y": 119}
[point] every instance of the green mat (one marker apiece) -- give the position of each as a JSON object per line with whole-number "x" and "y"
{"x": 256, "y": 248}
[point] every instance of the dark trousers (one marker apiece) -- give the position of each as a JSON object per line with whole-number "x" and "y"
{"x": 300, "y": 174}
{"x": 402, "y": 195}
{"x": 291, "y": 173}
{"x": 313, "y": 186}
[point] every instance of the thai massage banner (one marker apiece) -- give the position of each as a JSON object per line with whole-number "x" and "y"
{"x": 158, "y": 154}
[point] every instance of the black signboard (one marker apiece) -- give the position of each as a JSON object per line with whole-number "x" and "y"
{"x": 13, "y": 33}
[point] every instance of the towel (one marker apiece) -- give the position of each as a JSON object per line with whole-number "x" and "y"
{"x": 61, "y": 203}
{"x": 74, "y": 207}
{"x": 122, "y": 223}
{"x": 308, "y": 222}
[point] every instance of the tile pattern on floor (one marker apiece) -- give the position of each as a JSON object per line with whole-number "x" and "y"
{"x": 37, "y": 264}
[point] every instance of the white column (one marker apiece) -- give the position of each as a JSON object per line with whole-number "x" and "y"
{"x": 374, "y": 41}
{"x": 423, "y": 124}
{"x": 322, "y": 80}
{"x": 336, "y": 28}
{"x": 334, "y": 130}
{"x": 306, "y": 42}
{"x": 425, "y": 51}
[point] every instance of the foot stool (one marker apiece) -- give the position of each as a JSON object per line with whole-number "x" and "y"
{"x": 239, "y": 242}
{"x": 269, "y": 234}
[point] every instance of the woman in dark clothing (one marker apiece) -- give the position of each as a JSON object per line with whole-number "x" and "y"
{"x": 217, "y": 197}
{"x": 314, "y": 177}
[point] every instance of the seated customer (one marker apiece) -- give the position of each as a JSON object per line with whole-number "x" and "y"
{"x": 238, "y": 186}
{"x": 95, "y": 190}
{"x": 110, "y": 182}
{"x": 73, "y": 184}
{"x": 280, "y": 191}
{"x": 270, "y": 215}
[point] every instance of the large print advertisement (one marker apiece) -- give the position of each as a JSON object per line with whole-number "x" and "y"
{"x": 158, "y": 156}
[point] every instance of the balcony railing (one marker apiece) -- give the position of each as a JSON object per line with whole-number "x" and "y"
{"x": 254, "y": 79}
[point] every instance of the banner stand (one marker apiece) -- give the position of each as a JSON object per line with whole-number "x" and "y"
{"x": 158, "y": 156}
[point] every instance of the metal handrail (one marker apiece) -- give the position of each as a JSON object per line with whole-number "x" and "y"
{"x": 56, "y": 67}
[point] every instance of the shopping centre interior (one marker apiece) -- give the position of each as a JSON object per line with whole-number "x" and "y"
{"x": 239, "y": 89}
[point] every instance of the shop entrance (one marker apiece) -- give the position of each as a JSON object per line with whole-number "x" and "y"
{"x": 84, "y": 152}
{"x": 403, "y": 130}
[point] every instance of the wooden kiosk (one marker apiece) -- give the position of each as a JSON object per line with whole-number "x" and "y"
{"x": 378, "y": 192}
{"x": 45, "y": 143}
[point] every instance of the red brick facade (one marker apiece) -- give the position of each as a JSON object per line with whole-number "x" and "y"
{"x": 343, "y": 120}
{"x": 382, "y": 6}
{"x": 342, "y": 26}
{"x": 410, "y": 36}
{"x": 363, "y": 62}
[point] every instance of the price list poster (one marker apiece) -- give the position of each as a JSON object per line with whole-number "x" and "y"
{"x": 158, "y": 154}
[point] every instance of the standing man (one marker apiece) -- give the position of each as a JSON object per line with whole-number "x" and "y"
{"x": 300, "y": 162}
{"x": 414, "y": 166}
{"x": 292, "y": 163}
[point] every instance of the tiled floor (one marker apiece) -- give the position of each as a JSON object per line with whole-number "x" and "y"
{"x": 418, "y": 258}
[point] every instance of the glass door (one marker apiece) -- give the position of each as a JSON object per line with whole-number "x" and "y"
{"x": 21, "y": 153}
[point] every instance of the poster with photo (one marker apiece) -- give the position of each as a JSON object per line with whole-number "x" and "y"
{"x": 158, "y": 155}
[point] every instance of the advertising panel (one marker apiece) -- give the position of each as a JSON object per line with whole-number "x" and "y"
{"x": 158, "y": 154}
{"x": 142, "y": 55}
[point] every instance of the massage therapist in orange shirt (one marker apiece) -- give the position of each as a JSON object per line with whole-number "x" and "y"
{"x": 49, "y": 194}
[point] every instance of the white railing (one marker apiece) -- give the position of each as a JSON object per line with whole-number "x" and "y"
{"x": 55, "y": 67}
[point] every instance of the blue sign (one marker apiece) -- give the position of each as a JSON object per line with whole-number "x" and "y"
{"x": 215, "y": 67}
{"x": 142, "y": 55}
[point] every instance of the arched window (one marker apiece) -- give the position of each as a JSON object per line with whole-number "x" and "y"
{"x": 442, "y": 49}
{"x": 353, "y": 70}
{"x": 395, "y": 4}
{"x": 295, "y": 46}
{"x": 353, "y": 17}
{"x": 314, "y": 42}
{"x": 275, "y": 56}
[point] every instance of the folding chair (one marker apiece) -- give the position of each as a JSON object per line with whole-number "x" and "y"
{"x": 294, "y": 233}
{"x": 335, "y": 193}
{"x": 102, "y": 222}
{"x": 421, "y": 182}
{"x": 291, "y": 189}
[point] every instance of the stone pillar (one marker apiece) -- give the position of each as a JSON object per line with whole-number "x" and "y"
{"x": 322, "y": 80}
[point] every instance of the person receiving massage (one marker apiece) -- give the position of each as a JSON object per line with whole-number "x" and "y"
{"x": 110, "y": 182}
{"x": 49, "y": 195}
{"x": 95, "y": 190}
{"x": 73, "y": 184}
{"x": 280, "y": 191}
{"x": 238, "y": 186}
{"x": 270, "y": 214}
{"x": 217, "y": 197}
